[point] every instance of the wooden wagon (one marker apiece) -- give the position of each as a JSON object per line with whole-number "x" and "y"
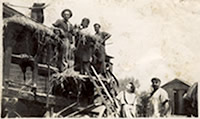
{"x": 28, "y": 71}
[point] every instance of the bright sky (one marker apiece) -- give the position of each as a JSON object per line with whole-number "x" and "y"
{"x": 150, "y": 38}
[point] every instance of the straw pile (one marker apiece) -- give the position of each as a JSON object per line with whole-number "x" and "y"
{"x": 25, "y": 21}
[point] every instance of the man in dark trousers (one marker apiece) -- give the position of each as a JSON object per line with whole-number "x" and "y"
{"x": 84, "y": 47}
{"x": 65, "y": 48}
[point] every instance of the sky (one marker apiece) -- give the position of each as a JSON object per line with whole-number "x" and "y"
{"x": 150, "y": 38}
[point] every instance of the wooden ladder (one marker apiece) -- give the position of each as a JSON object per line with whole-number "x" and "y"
{"x": 110, "y": 102}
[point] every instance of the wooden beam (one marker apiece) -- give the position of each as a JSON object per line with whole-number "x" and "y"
{"x": 65, "y": 109}
{"x": 81, "y": 110}
{"x": 42, "y": 68}
{"x": 40, "y": 97}
{"x": 9, "y": 12}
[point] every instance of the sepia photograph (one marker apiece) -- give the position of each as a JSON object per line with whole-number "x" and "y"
{"x": 100, "y": 58}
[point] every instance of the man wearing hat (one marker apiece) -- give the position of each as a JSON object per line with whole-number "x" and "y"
{"x": 127, "y": 101}
{"x": 65, "y": 24}
{"x": 159, "y": 98}
{"x": 67, "y": 31}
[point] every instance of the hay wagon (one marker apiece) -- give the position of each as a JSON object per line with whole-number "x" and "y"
{"x": 29, "y": 72}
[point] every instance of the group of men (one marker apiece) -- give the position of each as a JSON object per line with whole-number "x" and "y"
{"x": 78, "y": 35}
{"x": 127, "y": 100}
{"x": 78, "y": 43}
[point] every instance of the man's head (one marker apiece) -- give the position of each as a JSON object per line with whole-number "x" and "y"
{"x": 66, "y": 14}
{"x": 97, "y": 27}
{"x": 85, "y": 22}
{"x": 156, "y": 83}
{"x": 130, "y": 87}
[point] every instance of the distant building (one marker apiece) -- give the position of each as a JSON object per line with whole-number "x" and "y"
{"x": 176, "y": 89}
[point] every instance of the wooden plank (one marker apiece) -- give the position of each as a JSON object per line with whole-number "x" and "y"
{"x": 100, "y": 93}
{"x": 9, "y": 12}
{"x": 102, "y": 84}
{"x": 107, "y": 93}
{"x": 16, "y": 76}
{"x": 42, "y": 68}
{"x": 81, "y": 110}
{"x": 40, "y": 97}
{"x": 65, "y": 109}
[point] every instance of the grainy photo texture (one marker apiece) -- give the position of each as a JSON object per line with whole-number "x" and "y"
{"x": 100, "y": 58}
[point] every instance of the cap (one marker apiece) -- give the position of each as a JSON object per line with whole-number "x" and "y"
{"x": 155, "y": 79}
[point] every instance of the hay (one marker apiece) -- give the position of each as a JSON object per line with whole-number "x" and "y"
{"x": 28, "y": 22}
{"x": 69, "y": 72}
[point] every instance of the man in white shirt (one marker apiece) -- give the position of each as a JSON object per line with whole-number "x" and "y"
{"x": 85, "y": 47}
{"x": 160, "y": 99}
{"x": 127, "y": 101}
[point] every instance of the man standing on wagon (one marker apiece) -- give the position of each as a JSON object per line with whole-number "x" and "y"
{"x": 84, "y": 47}
{"x": 102, "y": 36}
{"x": 64, "y": 25}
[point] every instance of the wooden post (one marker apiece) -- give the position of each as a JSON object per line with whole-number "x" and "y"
{"x": 49, "y": 73}
{"x": 35, "y": 72}
{"x": 6, "y": 63}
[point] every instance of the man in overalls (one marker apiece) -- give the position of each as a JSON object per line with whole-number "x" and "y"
{"x": 127, "y": 100}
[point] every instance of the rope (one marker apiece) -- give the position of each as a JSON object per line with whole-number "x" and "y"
{"x": 16, "y": 5}
{"x": 27, "y": 7}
